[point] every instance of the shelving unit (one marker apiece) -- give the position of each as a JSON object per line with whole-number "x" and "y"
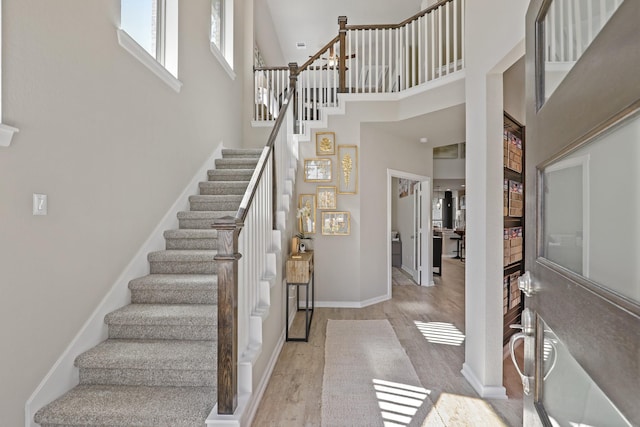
{"x": 513, "y": 212}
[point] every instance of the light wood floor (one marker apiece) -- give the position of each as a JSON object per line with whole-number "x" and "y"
{"x": 294, "y": 393}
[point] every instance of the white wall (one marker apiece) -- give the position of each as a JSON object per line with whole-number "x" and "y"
{"x": 514, "y": 96}
{"x": 352, "y": 270}
{"x": 449, "y": 168}
{"x": 494, "y": 41}
{"x": 111, "y": 145}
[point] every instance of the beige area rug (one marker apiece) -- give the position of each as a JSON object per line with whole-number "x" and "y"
{"x": 369, "y": 380}
{"x": 401, "y": 277}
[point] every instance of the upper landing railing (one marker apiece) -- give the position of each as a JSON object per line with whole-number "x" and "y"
{"x": 368, "y": 59}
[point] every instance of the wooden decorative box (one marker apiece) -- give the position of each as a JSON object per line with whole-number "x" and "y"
{"x": 516, "y": 199}
{"x": 512, "y": 245}
{"x": 300, "y": 267}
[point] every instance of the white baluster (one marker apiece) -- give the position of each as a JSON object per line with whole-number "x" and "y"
{"x": 455, "y": 35}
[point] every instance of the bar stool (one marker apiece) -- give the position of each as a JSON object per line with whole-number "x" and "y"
{"x": 458, "y": 239}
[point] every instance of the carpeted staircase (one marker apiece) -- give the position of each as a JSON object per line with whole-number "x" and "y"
{"x": 158, "y": 366}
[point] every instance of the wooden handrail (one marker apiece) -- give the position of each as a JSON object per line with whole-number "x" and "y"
{"x": 250, "y": 193}
{"x": 317, "y": 55}
{"x": 403, "y": 23}
{"x": 226, "y": 259}
{"x": 281, "y": 68}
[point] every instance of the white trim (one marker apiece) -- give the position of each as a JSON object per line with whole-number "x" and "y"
{"x": 352, "y": 304}
{"x": 138, "y": 52}
{"x": 63, "y": 375}
{"x": 485, "y": 392}
{"x": 392, "y": 173}
{"x": 222, "y": 60}
{"x": 6, "y": 132}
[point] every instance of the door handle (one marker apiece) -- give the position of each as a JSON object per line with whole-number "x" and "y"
{"x": 528, "y": 330}
{"x": 526, "y": 381}
{"x": 525, "y": 284}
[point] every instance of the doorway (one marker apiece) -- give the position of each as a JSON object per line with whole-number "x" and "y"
{"x": 411, "y": 232}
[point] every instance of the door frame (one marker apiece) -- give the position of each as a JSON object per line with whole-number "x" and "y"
{"x": 426, "y": 219}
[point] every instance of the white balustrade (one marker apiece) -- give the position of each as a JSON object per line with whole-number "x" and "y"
{"x": 378, "y": 59}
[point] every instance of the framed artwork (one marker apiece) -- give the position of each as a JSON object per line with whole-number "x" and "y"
{"x": 347, "y": 169}
{"x": 307, "y": 213}
{"x": 403, "y": 187}
{"x": 336, "y": 223}
{"x": 317, "y": 170}
{"x": 446, "y": 152}
{"x": 326, "y": 197}
{"x": 325, "y": 143}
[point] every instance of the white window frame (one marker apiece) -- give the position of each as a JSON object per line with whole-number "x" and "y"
{"x": 6, "y": 131}
{"x": 165, "y": 63}
{"x": 224, "y": 54}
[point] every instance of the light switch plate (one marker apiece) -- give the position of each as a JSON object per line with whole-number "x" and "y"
{"x": 39, "y": 204}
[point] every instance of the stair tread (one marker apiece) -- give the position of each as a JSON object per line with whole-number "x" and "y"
{"x": 174, "y": 281}
{"x": 217, "y": 197}
{"x": 164, "y": 315}
{"x": 130, "y": 405}
{"x": 150, "y": 354}
{"x": 224, "y": 183}
{"x": 191, "y": 233}
{"x": 245, "y": 151}
{"x": 182, "y": 255}
{"x": 205, "y": 214}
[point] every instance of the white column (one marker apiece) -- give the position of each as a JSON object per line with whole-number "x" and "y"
{"x": 491, "y": 47}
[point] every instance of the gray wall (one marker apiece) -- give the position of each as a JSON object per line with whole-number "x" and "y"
{"x": 353, "y": 269}
{"x": 111, "y": 145}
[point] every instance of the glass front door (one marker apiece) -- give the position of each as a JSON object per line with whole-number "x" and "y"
{"x": 582, "y": 331}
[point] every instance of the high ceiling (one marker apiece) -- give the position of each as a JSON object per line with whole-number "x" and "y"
{"x": 315, "y": 22}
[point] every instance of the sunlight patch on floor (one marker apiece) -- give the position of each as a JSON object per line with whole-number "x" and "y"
{"x": 457, "y": 410}
{"x": 398, "y": 402}
{"x": 440, "y": 333}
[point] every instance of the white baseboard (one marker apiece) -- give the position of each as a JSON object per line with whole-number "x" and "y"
{"x": 63, "y": 375}
{"x": 485, "y": 392}
{"x": 352, "y": 304}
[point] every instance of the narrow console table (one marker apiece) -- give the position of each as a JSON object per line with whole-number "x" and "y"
{"x": 300, "y": 272}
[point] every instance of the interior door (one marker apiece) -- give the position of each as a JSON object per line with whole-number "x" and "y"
{"x": 417, "y": 233}
{"x": 581, "y": 324}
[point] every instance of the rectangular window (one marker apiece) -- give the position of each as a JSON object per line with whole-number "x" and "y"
{"x": 222, "y": 33}
{"x": 217, "y": 22}
{"x": 149, "y": 31}
{"x": 139, "y": 18}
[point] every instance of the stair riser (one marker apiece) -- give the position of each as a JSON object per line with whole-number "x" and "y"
{"x": 187, "y": 332}
{"x": 241, "y": 154}
{"x": 221, "y": 176}
{"x": 183, "y": 267}
{"x": 174, "y": 297}
{"x": 214, "y": 206}
{"x": 209, "y": 244}
{"x": 236, "y": 164}
{"x": 201, "y": 224}
{"x": 149, "y": 377}
{"x": 215, "y": 188}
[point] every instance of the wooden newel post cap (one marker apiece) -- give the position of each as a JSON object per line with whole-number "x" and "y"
{"x": 342, "y": 21}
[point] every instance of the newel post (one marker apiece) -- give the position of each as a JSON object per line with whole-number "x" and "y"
{"x": 227, "y": 271}
{"x": 293, "y": 83}
{"x": 342, "y": 63}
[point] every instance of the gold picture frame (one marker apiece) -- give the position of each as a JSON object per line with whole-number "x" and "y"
{"x": 325, "y": 143}
{"x": 336, "y": 223}
{"x": 348, "y": 169}
{"x": 318, "y": 170}
{"x": 307, "y": 223}
{"x": 326, "y": 197}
